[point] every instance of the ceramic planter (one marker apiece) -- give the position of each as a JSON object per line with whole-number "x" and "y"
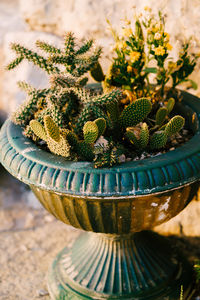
{"x": 116, "y": 256}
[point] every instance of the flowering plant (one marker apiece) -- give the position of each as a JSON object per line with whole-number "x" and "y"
{"x": 73, "y": 120}
{"x": 144, "y": 51}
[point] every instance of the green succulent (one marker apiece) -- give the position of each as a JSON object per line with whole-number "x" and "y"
{"x": 170, "y": 104}
{"x": 174, "y": 125}
{"x": 135, "y": 112}
{"x": 50, "y": 133}
{"x": 90, "y": 132}
{"x": 70, "y": 117}
{"x": 158, "y": 140}
{"x": 38, "y": 130}
{"x": 85, "y": 151}
{"x": 161, "y": 115}
{"x": 101, "y": 124}
{"x": 52, "y": 129}
{"x": 138, "y": 136}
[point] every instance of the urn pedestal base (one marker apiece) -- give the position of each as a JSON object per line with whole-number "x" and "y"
{"x": 137, "y": 266}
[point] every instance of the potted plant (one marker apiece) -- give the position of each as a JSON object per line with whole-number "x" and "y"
{"x": 67, "y": 142}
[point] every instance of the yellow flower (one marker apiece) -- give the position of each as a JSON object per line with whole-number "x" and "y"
{"x": 157, "y": 36}
{"x": 127, "y": 21}
{"x": 159, "y": 50}
{"x": 166, "y": 35}
{"x": 156, "y": 28}
{"x": 127, "y": 31}
{"x": 129, "y": 69}
{"x": 134, "y": 56}
{"x": 147, "y": 8}
{"x": 121, "y": 45}
{"x": 169, "y": 46}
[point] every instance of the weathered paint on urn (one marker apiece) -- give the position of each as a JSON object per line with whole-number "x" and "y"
{"x": 116, "y": 256}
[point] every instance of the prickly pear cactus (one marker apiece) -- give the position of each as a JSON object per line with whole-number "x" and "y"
{"x": 135, "y": 112}
{"x": 81, "y": 123}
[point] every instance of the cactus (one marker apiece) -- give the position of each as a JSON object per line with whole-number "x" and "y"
{"x": 61, "y": 148}
{"x": 90, "y": 132}
{"x": 161, "y": 115}
{"x": 70, "y": 117}
{"x": 135, "y": 112}
{"x": 158, "y": 140}
{"x": 113, "y": 112}
{"x": 97, "y": 72}
{"x": 85, "y": 151}
{"x": 93, "y": 107}
{"x": 144, "y": 136}
{"x": 52, "y": 129}
{"x": 174, "y": 125}
{"x": 170, "y": 104}
{"x": 56, "y": 142}
{"x": 72, "y": 139}
{"x": 25, "y": 112}
{"x": 101, "y": 124}
{"x": 38, "y": 130}
{"x": 139, "y": 137}
{"x": 33, "y": 57}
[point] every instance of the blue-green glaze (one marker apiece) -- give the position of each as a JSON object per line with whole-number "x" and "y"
{"x": 142, "y": 266}
{"x": 21, "y": 157}
{"x": 120, "y": 200}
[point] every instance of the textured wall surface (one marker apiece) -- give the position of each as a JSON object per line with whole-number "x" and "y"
{"x": 25, "y": 21}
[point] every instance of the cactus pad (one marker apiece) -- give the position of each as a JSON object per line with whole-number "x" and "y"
{"x": 170, "y": 104}
{"x": 38, "y": 130}
{"x": 61, "y": 148}
{"x": 161, "y": 115}
{"x": 101, "y": 124}
{"x": 85, "y": 151}
{"x": 52, "y": 129}
{"x": 135, "y": 112}
{"x": 174, "y": 125}
{"x": 144, "y": 136}
{"x": 97, "y": 72}
{"x": 158, "y": 140}
{"x": 90, "y": 132}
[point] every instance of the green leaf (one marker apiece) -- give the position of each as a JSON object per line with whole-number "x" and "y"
{"x": 193, "y": 84}
{"x": 150, "y": 70}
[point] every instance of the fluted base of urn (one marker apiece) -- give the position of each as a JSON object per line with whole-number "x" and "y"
{"x": 139, "y": 266}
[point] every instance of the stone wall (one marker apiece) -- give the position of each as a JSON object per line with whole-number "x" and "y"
{"x": 25, "y": 21}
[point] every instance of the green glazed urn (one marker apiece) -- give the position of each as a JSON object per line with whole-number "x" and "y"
{"x": 116, "y": 256}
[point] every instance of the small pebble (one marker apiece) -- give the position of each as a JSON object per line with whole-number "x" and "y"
{"x": 42, "y": 293}
{"x": 171, "y": 149}
{"x": 185, "y": 132}
{"x": 128, "y": 159}
{"x": 23, "y": 248}
{"x": 49, "y": 218}
{"x": 122, "y": 158}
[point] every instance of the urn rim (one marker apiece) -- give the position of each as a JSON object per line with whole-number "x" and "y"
{"x": 34, "y": 166}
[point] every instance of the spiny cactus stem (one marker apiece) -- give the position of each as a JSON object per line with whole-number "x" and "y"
{"x": 35, "y": 58}
{"x": 14, "y": 63}
{"x": 47, "y": 47}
